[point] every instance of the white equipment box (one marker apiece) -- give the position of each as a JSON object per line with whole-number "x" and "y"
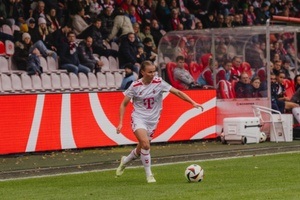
{"x": 282, "y": 131}
{"x": 242, "y": 130}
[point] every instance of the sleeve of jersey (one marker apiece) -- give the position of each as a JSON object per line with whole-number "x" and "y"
{"x": 166, "y": 86}
{"x": 129, "y": 92}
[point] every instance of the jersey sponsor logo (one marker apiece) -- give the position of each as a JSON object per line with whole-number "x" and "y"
{"x": 148, "y": 102}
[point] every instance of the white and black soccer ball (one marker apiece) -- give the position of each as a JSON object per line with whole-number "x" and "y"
{"x": 263, "y": 137}
{"x": 194, "y": 173}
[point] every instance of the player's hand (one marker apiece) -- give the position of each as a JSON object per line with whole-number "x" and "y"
{"x": 198, "y": 106}
{"x": 119, "y": 128}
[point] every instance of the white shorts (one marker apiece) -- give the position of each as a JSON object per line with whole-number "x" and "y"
{"x": 141, "y": 124}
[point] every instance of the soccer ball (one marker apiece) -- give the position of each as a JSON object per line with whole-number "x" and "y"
{"x": 263, "y": 137}
{"x": 194, "y": 173}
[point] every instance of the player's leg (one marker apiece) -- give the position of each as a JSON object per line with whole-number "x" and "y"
{"x": 144, "y": 144}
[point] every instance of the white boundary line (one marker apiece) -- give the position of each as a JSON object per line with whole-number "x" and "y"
{"x": 134, "y": 167}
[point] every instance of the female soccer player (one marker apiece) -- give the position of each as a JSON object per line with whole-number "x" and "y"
{"x": 147, "y": 96}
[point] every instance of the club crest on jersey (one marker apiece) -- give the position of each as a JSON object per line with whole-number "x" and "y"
{"x": 153, "y": 91}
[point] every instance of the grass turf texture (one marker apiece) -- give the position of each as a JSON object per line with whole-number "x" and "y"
{"x": 256, "y": 177}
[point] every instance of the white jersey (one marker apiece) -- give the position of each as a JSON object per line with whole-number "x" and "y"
{"x": 147, "y": 99}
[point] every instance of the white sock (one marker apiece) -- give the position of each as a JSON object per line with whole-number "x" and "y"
{"x": 146, "y": 160}
{"x": 132, "y": 156}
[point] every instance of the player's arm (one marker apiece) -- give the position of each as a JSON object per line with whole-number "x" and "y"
{"x": 123, "y": 105}
{"x": 185, "y": 97}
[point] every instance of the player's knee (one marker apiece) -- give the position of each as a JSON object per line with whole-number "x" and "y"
{"x": 145, "y": 145}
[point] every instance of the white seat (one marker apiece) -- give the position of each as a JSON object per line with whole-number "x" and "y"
{"x": 110, "y": 81}
{"x": 46, "y": 81}
{"x": 55, "y": 81}
{"x": 65, "y": 81}
{"x": 106, "y": 44}
{"x": 101, "y": 79}
{"x": 16, "y": 82}
{"x": 92, "y": 81}
{"x": 4, "y": 65}
{"x": 44, "y": 64}
{"x": 113, "y": 64}
{"x": 37, "y": 83}
{"x": 83, "y": 81}
{"x": 53, "y": 66}
{"x": 118, "y": 79}
{"x": 74, "y": 81}
{"x": 105, "y": 66}
{"x": 114, "y": 46}
{"x": 6, "y": 29}
{"x": 26, "y": 82}
{"x": 9, "y": 48}
{"x": 6, "y": 83}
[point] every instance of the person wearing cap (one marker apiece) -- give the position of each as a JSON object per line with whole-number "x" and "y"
{"x": 129, "y": 76}
{"x": 42, "y": 34}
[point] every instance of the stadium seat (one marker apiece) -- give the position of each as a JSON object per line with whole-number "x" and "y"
{"x": 6, "y": 29}
{"x": 9, "y": 48}
{"x": 26, "y": 82}
{"x": 16, "y": 83}
{"x": 195, "y": 69}
{"x": 74, "y": 81}
{"x": 55, "y": 81}
{"x": 2, "y": 49}
{"x": 37, "y": 83}
{"x": 83, "y": 81}
{"x": 65, "y": 81}
{"x": 118, "y": 79}
{"x": 92, "y": 81}
{"x": 169, "y": 69}
{"x": 44, "y": 64}
{"x": 46, "y": 81}
{"x": 113, "y": 63}
{"x": 4, "y": 65}
{"x": 101, "y": 79}
{"x": 105, "y": 61}
{"x": 6, "y": 83}
{"x": 110, "y": 81}
{"x": 114, "y": 46}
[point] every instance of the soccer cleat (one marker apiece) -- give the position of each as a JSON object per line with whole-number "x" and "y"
{"x": 151, "y": 179}
{"x": 121, "y": 168}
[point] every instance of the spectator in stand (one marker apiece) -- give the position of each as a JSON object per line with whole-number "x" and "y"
{"x": 95, "y": 8}
{"x": 78, "y": 22}
{"x": 128, "y": 52}
{"x": 15, "y": 11}
{"x": 144, "y": 13}
{"x": 43, "y": 34}
{"x": 25, "y": 47}
{"x": 236, "y": 68}
{"x": 198, "y": 25}
{"x": 33, "y": 63}
{"x": 156, "y": 31}
{"x": 238, "y": 21}
{"x": 243, "y": 87}
{"x": 224, "y": 71}
{"x": 256, "y": 90}
{"x": 279, "y": 90}
{"x": 183, "y": 13}
{"x": 220, "y": 23}
{"x": 206, "y": 76}
{"x": 286, "y": 68}
{"x": 175, "y": 20}
{"x": 69, "y": 58}
{"x": 39, "y": 11}
{"x": 121, "y": 24}
{"x": 86, "y": 57}
{"x": 129, "y": 76}
{"x": 276, "y": 104}
{"x": 107, "y": 20}
{"x": 297, "y": 82}
{"x": 228, "y": 21}
{"x": 141, "y": 55}
{"x": 183, "y": 76}
{"x": 94, "y": 31}
{"x": 125, "y": 5}
{"x": 60, "y": 37}
{"x": 137, "y": 32}
{"x": 133, "y": 15}
{"x": 249, "y": 15}
{"x": 32, "y": 28}
{"x": 146, "y": 33}
{"x": 163, "y": 14}
{"x": 52, "y": 20}
{"x": 277, "y": 67}
{"x": 149, "y": 49}
{"x": 261, "y": 17}
{"x": 210, "y": 21}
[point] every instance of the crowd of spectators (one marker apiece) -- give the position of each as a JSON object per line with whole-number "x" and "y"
{"x": 51, "y": 28}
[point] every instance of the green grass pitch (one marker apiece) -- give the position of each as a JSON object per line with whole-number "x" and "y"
{"x": 256, "y": 177}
